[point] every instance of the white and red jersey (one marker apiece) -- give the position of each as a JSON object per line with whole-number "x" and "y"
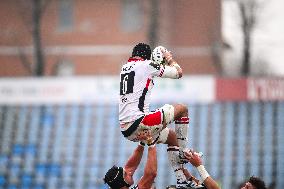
{"x": 136, "y": 83}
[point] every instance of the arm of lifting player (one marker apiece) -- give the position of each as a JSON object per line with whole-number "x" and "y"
{"x": 150, "y": 171}
{"x": 134, "y": 160}
{"x": 196, "y": 161}
{"x": 189, "y": 176}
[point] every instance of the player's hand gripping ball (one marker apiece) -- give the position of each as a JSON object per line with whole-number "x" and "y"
{"x": 157, "y": 55}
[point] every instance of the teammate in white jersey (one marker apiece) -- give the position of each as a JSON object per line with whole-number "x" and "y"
{"x": 137, "y": 122}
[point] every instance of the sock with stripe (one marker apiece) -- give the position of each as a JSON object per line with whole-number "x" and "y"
{"x": 181, "y": 129}
{"x": 173, "y": 156}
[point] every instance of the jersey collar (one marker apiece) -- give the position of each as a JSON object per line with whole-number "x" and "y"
{"x": 131, "y": 59}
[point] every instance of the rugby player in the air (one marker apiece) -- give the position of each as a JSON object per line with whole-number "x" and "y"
{"x": 136, "y": 120}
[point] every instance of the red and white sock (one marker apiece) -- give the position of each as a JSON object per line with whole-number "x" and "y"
{"x": 181, "y": 129}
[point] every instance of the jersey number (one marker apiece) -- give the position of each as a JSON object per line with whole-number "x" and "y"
{"x": 127, "y": 83}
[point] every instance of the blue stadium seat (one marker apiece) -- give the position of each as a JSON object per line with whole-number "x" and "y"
{"x": 216, "y": 137}
{"x": 111, "y": 130}
{"x": 18, "y": 149}
{"x": 3, "y": 180}
{"x": 34, "y": 125}
{"x": 26, "y": 180}
{"x": 47, "y": 118}
{"x": 83, "y": 145}
{"x": 255, "y": 138}
{"x": 54, "y": 169}
{"x": 280, "y": 141}
{"x": 60, "y": 122}
{"x": 38, "y": 186}
{"x": 202, "y": 138}
{"x": 241, "y": 138}
{"x": 268, "y": 142}
{"x": 46, "y": 127}
{"x": 9, "y": 128}
{"x": 71, "y": 133}
{"x": 21, "y": 125}
{"x": 67, "y": 172}
{"x": 52, "y": 182}
{"x": 41, "y": 169}
{"x": 98, "y": 132}
{"x": 12, "y": 187}
{"x": 73, "y": 145}
{"x": 31, "y": 149}
{"x": 229, "y": 135}
{"x": 15, "y": 169}
{"x": 28, "y": 165}
{"x": 3, "y": 160}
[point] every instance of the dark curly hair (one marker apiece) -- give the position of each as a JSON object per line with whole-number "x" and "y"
{"x": 142, "y": 50}
{"x": 257, "y": 182}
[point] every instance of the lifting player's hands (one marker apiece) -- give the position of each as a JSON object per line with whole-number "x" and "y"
{"x": 193, "y": 157}
{"x": 145, "y": 137}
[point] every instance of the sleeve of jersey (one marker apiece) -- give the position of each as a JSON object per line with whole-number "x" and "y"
{"x": 155, "y": 70}
{"x": 169, "y": 72}
{"x": 163, "y": 71}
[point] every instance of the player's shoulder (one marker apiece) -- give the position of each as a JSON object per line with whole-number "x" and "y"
{"x": 128, "y": 66}
{"x": 152, "y": 65}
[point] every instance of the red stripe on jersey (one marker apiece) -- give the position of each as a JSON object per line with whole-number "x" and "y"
{"x": 161, "y": 73}
{"x": 148, "y": 83}
{"x": 153, "y": 119}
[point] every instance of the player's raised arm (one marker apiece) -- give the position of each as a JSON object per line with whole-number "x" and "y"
{"x": 134, "y": 160}
{"x": 164, "y": 61}
{"x": 196, "y": 161}
{"x": 150, "y": 171}
{"x": 172, "y": 63}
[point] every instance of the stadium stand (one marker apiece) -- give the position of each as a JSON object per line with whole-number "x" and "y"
{"x": 72, "y": 145}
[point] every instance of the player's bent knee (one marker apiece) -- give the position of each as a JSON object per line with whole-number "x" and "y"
{"x": 168, "y": 111}
{"x": 181, "y": 110}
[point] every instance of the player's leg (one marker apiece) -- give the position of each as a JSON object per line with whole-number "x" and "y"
{"x": 177, "y": 140}
{"x": 168, "y": 136}
{"x": 179, "y": 114}
{"x": 181, "y": 124}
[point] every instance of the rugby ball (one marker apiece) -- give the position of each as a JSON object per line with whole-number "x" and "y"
{"x": 157, "y": 55}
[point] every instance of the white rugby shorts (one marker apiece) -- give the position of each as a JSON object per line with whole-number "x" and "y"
{"x": 150, "y": 125}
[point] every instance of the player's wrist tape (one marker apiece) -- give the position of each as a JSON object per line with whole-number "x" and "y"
{"x": 202, "y": 172}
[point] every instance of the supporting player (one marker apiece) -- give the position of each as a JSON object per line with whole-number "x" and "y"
{"x": 122, "y": 178}
{"x": 137, "y": 122}
{"x": 208, "y": 181}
